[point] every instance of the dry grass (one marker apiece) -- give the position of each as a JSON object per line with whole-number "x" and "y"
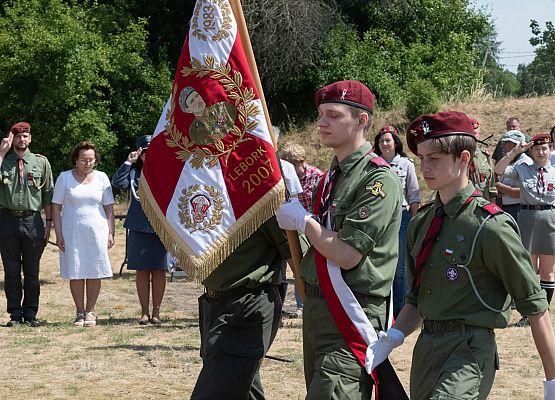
{"x": 120, "y": 359}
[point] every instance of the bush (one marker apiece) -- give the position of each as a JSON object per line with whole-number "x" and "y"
{"x": 422, "y": 98}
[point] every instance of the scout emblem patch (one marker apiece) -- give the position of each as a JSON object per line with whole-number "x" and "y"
{"x": 452, "y": 274}
{"x": 376, "y": 189}
{"x": 363, "y": 212}
{"x": 460, "y": 237}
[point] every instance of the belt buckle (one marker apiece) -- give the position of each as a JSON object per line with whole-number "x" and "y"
{"x": 438, "y": 327}
{"x": 17, "y": 213}
{"x": 211, "y": 293}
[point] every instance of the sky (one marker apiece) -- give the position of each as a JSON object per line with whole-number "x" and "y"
{"x": 512, "y": 22}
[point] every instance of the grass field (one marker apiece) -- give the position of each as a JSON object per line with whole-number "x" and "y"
{"x": 119, "y": 359}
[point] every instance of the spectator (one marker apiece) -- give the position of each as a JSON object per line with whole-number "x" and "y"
{"x": 308, "y": 176}
{"x": 552, "y": 135}
{"x": 512, "y": 124}
{"x": 481, "y": 168}
{"x": 508, "y": 188}
{"x": 83, "y": 213}
{"x": 389, "y": 146}
{"x": 145, "y": 252}
{"x": 537, "y": 198}
{"x": 25, "y": 189}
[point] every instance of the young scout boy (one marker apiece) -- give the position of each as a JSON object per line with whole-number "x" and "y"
{"x": 461, "y": 289}
{"x": 358, "y": 206}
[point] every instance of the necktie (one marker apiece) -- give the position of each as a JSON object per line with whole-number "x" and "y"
{"x": 431, "y": 235}
{"x": 326, "y": 198}
{"x": 540, "y": 185}
{"x": 21, "y": 171}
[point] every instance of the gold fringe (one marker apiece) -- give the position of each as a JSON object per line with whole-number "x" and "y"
{"x": 199, "y": 267}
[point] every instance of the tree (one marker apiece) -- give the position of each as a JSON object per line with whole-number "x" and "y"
{"x": 74, "y": 81}
{"x": 538, "y": 78}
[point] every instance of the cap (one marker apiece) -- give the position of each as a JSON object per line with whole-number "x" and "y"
{"x": 143, "y": 142}
{"x": 541, "y": 138}
{"x": 20, "y": 127}
{"x": 438, "y": 125}
{"x": 475, "y": 122}
{"x": 388, "y": 129}
{"x": 513, "y": 136}
{"x": 351, "y": 93}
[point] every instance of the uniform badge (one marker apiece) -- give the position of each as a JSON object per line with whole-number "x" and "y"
{"x": 550, "y": 187}
{"x": 200, "y": 208}
{"x": 363, "y": 212}
{"x": 376, "y": 189}
{"x": 448, "y": 252}
{"x": 30, "y": 180}
{"x": 425, "y": 127}
{"x": 452, "y": 274}
{"x": 460, "y": 237}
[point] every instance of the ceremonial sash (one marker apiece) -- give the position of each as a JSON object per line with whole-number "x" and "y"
{"x": 350, "y": 319}
{"x": 211, "y": 176}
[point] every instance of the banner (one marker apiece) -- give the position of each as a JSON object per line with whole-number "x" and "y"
{"x": 211, "y": 175}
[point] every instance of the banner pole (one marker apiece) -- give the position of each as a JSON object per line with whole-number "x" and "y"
{"x": 292, "y": 236}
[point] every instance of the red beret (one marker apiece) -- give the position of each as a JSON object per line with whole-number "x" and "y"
{"x": 351, "y": 93}
{"x": 20, "y": 127}
{"x": 475, "y": 122}
{"x": 541, "y": 138}
{"x": 438, "y": 125}
{"x": 388, "y": 129}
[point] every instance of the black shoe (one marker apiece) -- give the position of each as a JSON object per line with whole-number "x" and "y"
{"x": 33, "y": 323}
{"x": 523, "y": 323}
{"x": 13, "y": 322}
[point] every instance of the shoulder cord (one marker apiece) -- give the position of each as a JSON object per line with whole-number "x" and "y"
{"x": 132, "y": 184}
{"x": 46, "y": 171}
{"x": 470, "y": 275}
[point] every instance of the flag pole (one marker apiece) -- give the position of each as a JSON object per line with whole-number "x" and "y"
{"x": 292, "y": 236}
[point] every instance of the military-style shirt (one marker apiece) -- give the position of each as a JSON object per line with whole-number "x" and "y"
{"x": 484, "y": 178}
{"x": 366, "y": 213}
{"x": 31, "y": 189}
{"x": 531, "y": 191}
{"x": 255, "y": 262}
{"x": 500, "y": 266}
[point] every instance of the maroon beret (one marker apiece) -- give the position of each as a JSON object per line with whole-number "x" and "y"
{"x": 20, "y": 127}
{"x": 351, "y": 93}
{"x": 541, "y": 138}
{"x": 438, "y": 125}
{"x": 475, "y": 122}
{"x": 388, "y": 129}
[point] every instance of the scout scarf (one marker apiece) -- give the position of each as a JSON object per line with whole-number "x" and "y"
{"x": 352, "y": 322}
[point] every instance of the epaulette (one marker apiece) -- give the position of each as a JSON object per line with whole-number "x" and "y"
{"x": 491, "y": 208}
{"x": 425, "y": 206}
{"x": 40, "y": 155}
{"x": 380, "y": 162}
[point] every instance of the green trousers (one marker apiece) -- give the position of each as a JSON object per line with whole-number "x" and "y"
{"x": 454, "y": 366}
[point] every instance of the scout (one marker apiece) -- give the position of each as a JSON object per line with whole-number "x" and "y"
{"x": 354, "y": 248}
{"x": 460, "y": 289}
{"x": 26, "y": 187}
{"x": 481, "y": 170}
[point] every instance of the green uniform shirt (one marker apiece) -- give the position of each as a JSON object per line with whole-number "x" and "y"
{"x": 254, "y": 262}
{"x": 34, "y": 190}
{"x": 499, "y": 266}
{"x": 366, "y": 212}
{"x": 484, "y": 178}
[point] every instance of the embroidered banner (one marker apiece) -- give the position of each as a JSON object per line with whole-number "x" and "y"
{"x": 211, "y": 176}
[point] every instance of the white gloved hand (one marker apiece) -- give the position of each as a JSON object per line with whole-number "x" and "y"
{"x": 378, "y": 351}
{"x": 549, "y": 389}
{"x": 292, "y": 216}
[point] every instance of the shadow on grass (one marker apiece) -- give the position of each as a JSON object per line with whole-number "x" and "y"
{"x": 145, "y": 347}
{"x": 42, "y": 282}
{"x": 177, "y": 323}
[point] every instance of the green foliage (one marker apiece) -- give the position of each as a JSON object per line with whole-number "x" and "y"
{"x": 501, "y": 83}
{"x": 538, "y": 78}
{"x": 76, "y": 79}
{"x": 422, "y": 98}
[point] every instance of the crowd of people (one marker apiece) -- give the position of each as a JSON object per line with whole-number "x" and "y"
{"x": 377, "y": 265}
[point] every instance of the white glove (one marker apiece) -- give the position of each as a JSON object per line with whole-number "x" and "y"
{"x": 292, "y": 216}
{"x": 378, "y": 351}
{"x": 549, "y": 389}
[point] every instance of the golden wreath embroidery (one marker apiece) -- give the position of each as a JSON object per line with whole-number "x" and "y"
{"x": 232, "y": 82}
{"x": 195, "y": 206}
{"x": 209, "y": 20}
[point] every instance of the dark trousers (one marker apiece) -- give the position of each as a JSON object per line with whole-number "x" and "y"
{"x": 21, "y": 247}
{"x": 236, "y": 331}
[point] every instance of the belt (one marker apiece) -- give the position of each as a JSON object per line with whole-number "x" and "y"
{"x": 437, "y": 327}
{"x": 316, "y": 291}
{"x": 17, "y": 213}
{"x": 537, "y": 207}
{"x": 218, "y": 294}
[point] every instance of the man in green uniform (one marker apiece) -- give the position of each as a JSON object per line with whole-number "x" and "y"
{"x": 26, "y": 187}
{"x": 358, "y": 206}
{"x": 461, "y": 289}
{"x": 239, "y": 314}
{"x": 481, "y": 168}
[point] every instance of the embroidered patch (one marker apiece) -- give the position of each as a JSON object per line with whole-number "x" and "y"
{"x": 376, "y": 189}
{"x": 452, "y": 274}
{"x": 550, "y": 187}
{"x": 425, "y": 127}
{"x": 200, "y": 208}
{"x": 448, "y": 252}
{"x": 363, "y": 212}
{"x": 460, "y": 237}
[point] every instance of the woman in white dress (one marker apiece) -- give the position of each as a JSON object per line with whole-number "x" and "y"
{"x": 85, "y": 231}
